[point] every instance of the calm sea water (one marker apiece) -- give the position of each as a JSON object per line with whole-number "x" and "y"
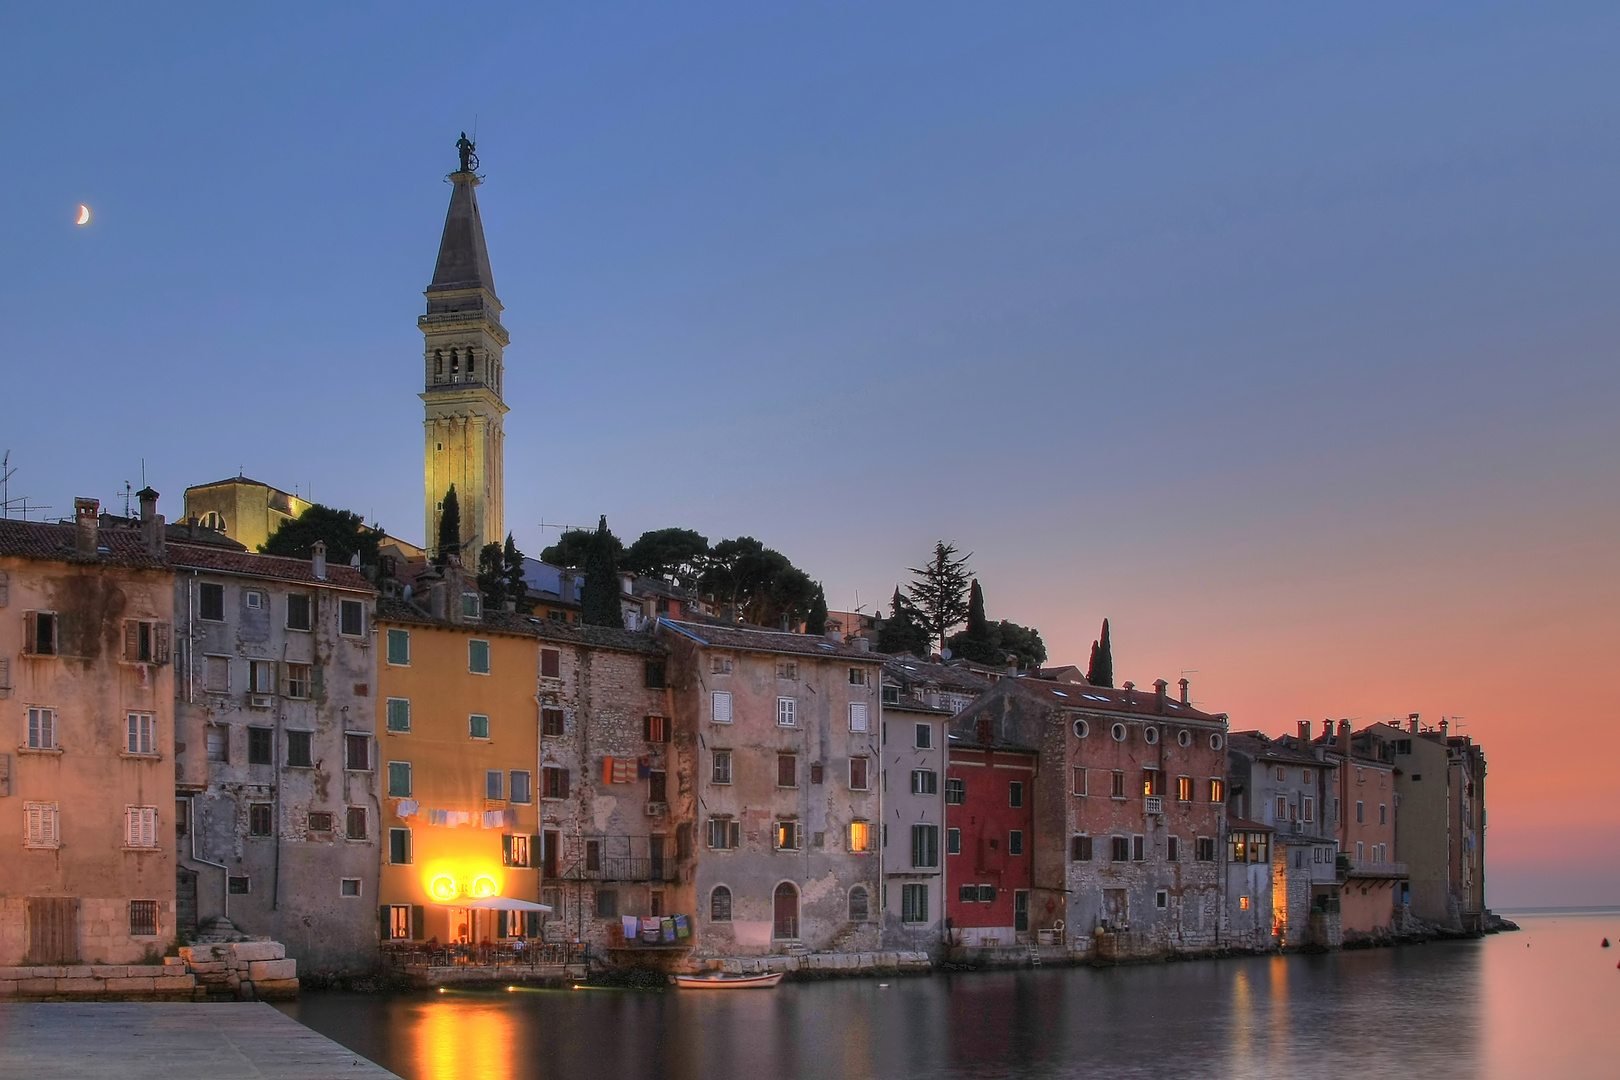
{"x": 1541, "y": 1003}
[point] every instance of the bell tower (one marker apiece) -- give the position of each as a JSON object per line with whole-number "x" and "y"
{"x": 463, "y": 368}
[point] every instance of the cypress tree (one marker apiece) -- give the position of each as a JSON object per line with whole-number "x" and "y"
{"x": 980, "y": 641}
{"x": 902, "y": 631}
{"x": 599, "y": 596}
{"x": 517, "y": 590}
{"x": 816, "y": 621}
{"x": 1101, "y": 672}
{"x": 449, "y": 527}
{"x": 491, "y": 582}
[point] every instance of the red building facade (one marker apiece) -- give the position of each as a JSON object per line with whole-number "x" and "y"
{"x": 990, "y": 840}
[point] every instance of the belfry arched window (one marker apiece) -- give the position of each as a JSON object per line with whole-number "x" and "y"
{"x": 438, "y": 364}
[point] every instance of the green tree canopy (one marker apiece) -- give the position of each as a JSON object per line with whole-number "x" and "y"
{"x": 599, "y": 596}
{"x": 985, "y": 642}
{"x": 491, "y": 577}
{"x": 760, "y": 584}
{"x": 668, "y": 553}
{"x": 517, "y": 589}
{"x": 903, "y": 631}
{"x": 449, "y": 528}
{"x": 344, "y": 532}
{"x": 572, "y": 551}
{"x": 816, "y": 621}
{"x": 940, "y": 591}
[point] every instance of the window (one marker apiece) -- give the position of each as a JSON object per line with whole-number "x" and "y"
{"x": 217, "y": 740}
{"x": 399, "y": 647}
{"x": 351, "y": 618}
{"x": 787, "y": 770}
{"x": 891, "y": 694}
{"x": 41, "y": 825}
{"x": 720, "y": 904}
{"x": 261, "y": 677}
{"x": 477, "y": 726}
{"x": 260, "y": 821}
{"x": 785, "y": 669}
{"x": 1258, "y": 845}
{"x": 399, "y": 840}
{"x": 987, "y": 894}
{"x": 550, "y": 663}
{"x": 1206, "y": 849}
{"x": 859, "y": 778}
{"x": 657, "y": 786}
{"x": 914, "y": 903}
{"x": 655, "y": 729}
{"x": 259, "y": 745}
{"x": 955, "y": 790}
{"x": 217, "y": 674}
{"x": 41, "y": 729}
{"x": 1121, "y": 849}
{"x": 1282, "y": 774}
{"x": 553, "y": 782}
{"x": 1237, "y": 849}
{"x": 319, "y": 821}
{"x": 860, "y": 904}
{"x": 298, "y": 750}
{"x": 860, "y": 836}
{"x": 211, "y": 602}
{"x": 1360, "y": 777}
{"x": 924, "y": 738}
{"x": 253, "y": 599}
{"x": 298, "y": 619}
{"x": 1015, "y": 793}
{"x": 953, "y": 841}
{"x": 1015, "y": 842}
{"x": 1161, "y": 899}
{"x": 1282, "y": 809}
{"x": 1359, "y": 846}
{"x": 1080, "y": 848}
{"x": 593, "y": 855}
{"x": 1172, "y": 849}
{"x": 1081, "y": 729}
{"x": 720, "y": 706}
{"x": 1138, "y": 854}
{"x": 925, "y": 846}
{"x": 653, "y": 674}
{"x": 238, "y": 884}
{"x": 1305, "y": 776}
{"x": 1243, "y": 903}
{"x": 551, "y": 721}
{"x": 719, "y": 665}
{"x": 494, "y": 784}
{"x": 1079, "y": 773}
{"x": 857, "y": 716}
{"x": 140, "y": 826}
{"x": 1117, "y": 786}
{"x": 1307, "y": 808}
{"x": 1217, "y": 789}
{"x": 469, "y": 605}
{"x": 1360, "y": 813}
{"x": 356, "y": 823}
{"x": 478, "y": 656}
{"x": 1118, "y": 732}
{"x": 1150, "y": 782}
{"x": 967, "y": 894}
{"x": 786, "y": 712}
{"x": 399, "y": 779}
{"x": 356, "y": 751}
{"x": 924, "y": 782}
{"x": 1184, "y": 789}
{"x": 298, "y": 681}
{"x": 143, "y": 918}
{"x": 786, "y": 835}
{"x": 349, "y": 886}
{"x": 720, "y": 767}
{"x": 522, "y": 786}
{"x": 399, "y": 922}
{"x": 725, "y": 833}
{"x": 514, "y": 850}
{"x": 146, "y": 642}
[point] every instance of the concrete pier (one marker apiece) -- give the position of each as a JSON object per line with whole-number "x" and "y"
{"x": 159, "y": 1041}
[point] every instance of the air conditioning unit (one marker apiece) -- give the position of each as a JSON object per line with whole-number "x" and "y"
{"x": 657, "y": 809}
{"x": 258, "y": 701}
{"x": 1154, "y": 804}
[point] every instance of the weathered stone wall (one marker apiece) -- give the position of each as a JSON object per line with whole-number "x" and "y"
{"x": 242, "y": 970}
{"x": 901, "y": 755}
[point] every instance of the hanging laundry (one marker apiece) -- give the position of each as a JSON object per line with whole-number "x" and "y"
{"x": 406, "y": 808}
{"x": 683, "y": 929}
{"x": 509, "y": 818}
{"x": 643, "y": 768}
{"x": 666, "y": 928}
{"x": 631, "y": 926}
{"x": 649, "y": 929}
{"x": 494, "y": 819}
{"x": 624, "y": 770}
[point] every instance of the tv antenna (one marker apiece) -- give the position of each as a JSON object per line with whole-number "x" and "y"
{"x": 6, "y": 501}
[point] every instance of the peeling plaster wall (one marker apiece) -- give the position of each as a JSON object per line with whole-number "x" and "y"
{"x": 901, "y": 810}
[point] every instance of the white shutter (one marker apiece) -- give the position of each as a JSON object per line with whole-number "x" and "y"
{"x": 720, "y": 706}
{"x": 857, "y": 716}
{"x": 149, "y": 826}
{"x": 132, "y": 828}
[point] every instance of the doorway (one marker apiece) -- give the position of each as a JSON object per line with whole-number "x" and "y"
{"x": 785, "y": 912}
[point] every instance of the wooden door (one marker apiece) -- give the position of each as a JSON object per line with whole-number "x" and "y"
{"x": 185, "y": 901}
{"x": 53, "y": 930}
{"x": 785, "y": 925}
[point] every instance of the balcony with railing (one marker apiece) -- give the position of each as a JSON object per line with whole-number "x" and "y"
{"x": 622, "y": 858}
{"x": 1153, "y": 804}
{"x": 1368, "y": 868}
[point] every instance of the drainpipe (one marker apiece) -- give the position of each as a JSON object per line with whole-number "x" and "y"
{"x": 226, "y": 872}
{"x": 278, "y": 776}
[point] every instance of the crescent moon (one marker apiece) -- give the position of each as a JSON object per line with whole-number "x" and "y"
{"x": 84, "y": 215}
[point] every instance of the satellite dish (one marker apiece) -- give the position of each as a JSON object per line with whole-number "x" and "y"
{"x": 944, "y": 654}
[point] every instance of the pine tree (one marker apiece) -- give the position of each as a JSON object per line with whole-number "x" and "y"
{"x": 517, "y": 589}
{"x": 940, "y": 592}
{"x": 902, "y": 631}
{"x": 599, "y": 596}
{"x": 449, "y": 528}
{"x": 1101, "y": 672}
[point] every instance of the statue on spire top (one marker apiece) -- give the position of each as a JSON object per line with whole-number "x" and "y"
{"x": 465, "y": 146}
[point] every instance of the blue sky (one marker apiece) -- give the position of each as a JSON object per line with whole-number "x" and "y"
{"x": 1281, "y": 334}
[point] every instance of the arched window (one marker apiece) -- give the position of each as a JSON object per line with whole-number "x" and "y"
{"x": 455, "y": 362}
{"x": 470, "y": 361}
{"x": 438, "y": 363}
{"x": 859, "y": 907}
{"x": 720, "y": 904}
{"x": 785, "y": 912}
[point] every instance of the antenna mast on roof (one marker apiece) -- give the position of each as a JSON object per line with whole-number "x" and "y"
{"x": 6, "y": 501}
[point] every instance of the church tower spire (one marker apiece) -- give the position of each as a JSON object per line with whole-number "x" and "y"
{"x": 464, "y": 367}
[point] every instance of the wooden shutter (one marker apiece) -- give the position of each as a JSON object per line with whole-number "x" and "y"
{"x": 418, "y": 922}
{"x": 30, "y": 625}
{"x": 132, "y": 640}
{"x": 53, "y": 929}
{"x": 736, "y": 833}
{"x": 5, "y": 677}
{"x": 160, "y": 643}
{"x": 506, "y": 853}
{"x": 385, "y": 923}
{"x": 534, "y": 849}
{"x": 564, "y": 778}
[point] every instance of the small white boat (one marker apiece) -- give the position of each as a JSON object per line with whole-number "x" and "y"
{"x": 727, "y": 982}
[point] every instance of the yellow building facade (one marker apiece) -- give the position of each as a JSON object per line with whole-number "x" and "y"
{"x": 457, "y": 745}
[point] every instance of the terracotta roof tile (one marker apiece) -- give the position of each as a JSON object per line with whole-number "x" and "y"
{"x": 1135, "y": 702}
{"x": 249, "y": 564}
{"x": 55, "y": 542}
{"x": 505, "y": 622}
{"x": 768, "y": 641}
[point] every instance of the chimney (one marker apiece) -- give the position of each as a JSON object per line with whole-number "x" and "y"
{"x": 1160, "y": 694}
{"x": 1412, "y": 723}
{"x": 1130, "y": 694}
{"x": 1184, "y": 685}
{"x": 1305, "y": 732}
{"x": 1012, "y": 667}
{"x": 835, "y": 636}
{"x": 87, "y": 524}
{"x": 1445, "y": 727}
{"x": 152, "y": 524}
{"x": 863, "y": 644}
{"x": 1344, "y": 737}
{"x": 627, "y": 584}
{"x": 317, "y": 560}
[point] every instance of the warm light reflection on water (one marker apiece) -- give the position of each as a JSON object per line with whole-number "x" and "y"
{"x": 1491, "y": 1008}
